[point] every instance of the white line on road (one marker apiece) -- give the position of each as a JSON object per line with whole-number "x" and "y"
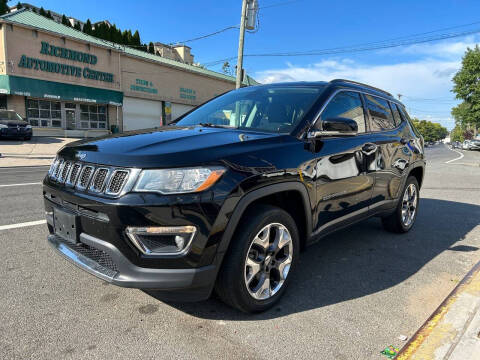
{"x": 457, "y": 158}
{"x": 20, "y": 225}
{"x": 23, "y": 184}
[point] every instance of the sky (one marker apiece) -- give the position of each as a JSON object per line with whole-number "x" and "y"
{"x": 421, "y": 73}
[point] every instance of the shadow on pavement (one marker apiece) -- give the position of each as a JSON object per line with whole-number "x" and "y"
{"x": 360, "y": 260}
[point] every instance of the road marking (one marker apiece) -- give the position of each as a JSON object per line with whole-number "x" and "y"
{"x": 20, "y": 225}
{"x": 23, "y": 184}
{"x": 457, "y": 158}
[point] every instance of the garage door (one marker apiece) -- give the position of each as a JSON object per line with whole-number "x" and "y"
{"x": 141, "y": 114}
{"x": 180, "y": 109}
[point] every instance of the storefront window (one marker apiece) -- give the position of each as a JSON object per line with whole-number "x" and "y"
{"x": 44, "y": 113}
{"x": 93, "y": 116}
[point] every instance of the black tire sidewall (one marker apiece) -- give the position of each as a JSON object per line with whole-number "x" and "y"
{"x": 410, "y": 180}
{"x": 243, "y": 241}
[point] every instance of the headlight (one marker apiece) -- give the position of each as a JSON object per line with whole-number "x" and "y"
{"x": 175, "y": 181}
{"x": 3, "y": 126}
{"x": 28, "y": 126}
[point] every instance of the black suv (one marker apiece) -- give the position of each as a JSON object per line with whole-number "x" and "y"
{"x": 226, "y": 197}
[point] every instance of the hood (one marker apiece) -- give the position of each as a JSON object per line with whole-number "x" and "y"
{"x": 13, "y": 122}
{"x": 170, "y": 146}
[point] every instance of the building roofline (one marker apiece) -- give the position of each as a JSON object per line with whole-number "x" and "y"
{"x": 88, "y": 39}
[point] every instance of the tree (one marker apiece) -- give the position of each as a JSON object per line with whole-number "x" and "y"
{"x": 429, "y": 130}
{"x": 467, "y": 88}
{"x": 49, "y": 15}
{"x": 4, "y": 7}
{"x": 19, "y": 6}
{"x": 151, "y": 48}
{"x": 42, "y": 12}
{"x": 136, "y": 39}
{"x": 77, "y": 26}
{"x": 87, "y": 28}
{"x": 457, "y": 134}
{"x": 65, "y": 21}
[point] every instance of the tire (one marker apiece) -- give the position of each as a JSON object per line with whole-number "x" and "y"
{"x": 237, "y": 281}
{"x": 396, "y": 222}
{"x": 27, "y": 138}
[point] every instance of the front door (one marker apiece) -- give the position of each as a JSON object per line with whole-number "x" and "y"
{"x": 70, "y": 119}
{"x": 344, "y": 183}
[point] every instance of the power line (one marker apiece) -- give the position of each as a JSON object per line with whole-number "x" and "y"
{"x": 207, "y": 35}
{"x": 278, "y": 4}
{"x": 378, "y": 45}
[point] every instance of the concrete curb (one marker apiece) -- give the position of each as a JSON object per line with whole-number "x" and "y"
{"x": 455, "y": 322}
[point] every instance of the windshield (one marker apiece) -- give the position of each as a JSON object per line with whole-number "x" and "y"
{"x": 9, "y": 115}
{"x": 264, "y": 108}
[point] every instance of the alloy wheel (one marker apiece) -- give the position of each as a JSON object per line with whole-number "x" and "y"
{"x": 409, "y": 205}
{"x": 268, "y": 261}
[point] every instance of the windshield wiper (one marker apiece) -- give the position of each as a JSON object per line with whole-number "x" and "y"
{"x": 214, "y": 125}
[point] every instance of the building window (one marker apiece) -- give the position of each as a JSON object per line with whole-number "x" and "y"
{"x": 93, "y": 116}
{"x": 44, "y": 113}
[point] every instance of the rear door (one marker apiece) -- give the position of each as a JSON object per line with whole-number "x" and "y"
{"x": 391, "y": 156}
{"x": 343, "y": 184}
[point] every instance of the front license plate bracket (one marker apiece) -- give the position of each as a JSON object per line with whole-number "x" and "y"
{"x": 66, "y": 225}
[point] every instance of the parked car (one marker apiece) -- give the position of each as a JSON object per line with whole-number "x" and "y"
{"x": 227, "y": 196}
{"x": 456, "y": 145}
{"x": 466, "y": 145}
{"x": 13, "y": 126}
{"x": 474, "y": 144}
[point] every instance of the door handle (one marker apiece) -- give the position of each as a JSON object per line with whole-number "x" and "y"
{"x": 369, "y": 148}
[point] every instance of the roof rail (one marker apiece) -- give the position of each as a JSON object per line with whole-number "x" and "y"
{"x": 361, "y": 84}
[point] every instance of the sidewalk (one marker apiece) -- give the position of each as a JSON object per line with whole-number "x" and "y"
{"x": 35, "y": 152}
{"x": 453, "y": 331}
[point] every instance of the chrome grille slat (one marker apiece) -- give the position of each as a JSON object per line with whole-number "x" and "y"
{"x": 72, "y": 178}
{"x": 117, "y": 181}
{"x": 107, "y": 180}
{"x": 99, "y": 180}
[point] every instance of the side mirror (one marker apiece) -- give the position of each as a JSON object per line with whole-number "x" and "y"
{"x": 336, "y": 126}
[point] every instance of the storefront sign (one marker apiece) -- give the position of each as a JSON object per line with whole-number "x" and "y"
{"x": 143, "y": 86}
{"x": 188, "y": 94}
{"x": 65, "y": 69}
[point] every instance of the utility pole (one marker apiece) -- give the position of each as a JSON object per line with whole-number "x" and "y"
{"x": 240, "y": 45}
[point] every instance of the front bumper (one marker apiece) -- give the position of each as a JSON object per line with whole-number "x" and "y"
{"x": 106, "y": 262}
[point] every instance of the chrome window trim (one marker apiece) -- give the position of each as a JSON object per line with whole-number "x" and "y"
{"x": 311, "y": 134}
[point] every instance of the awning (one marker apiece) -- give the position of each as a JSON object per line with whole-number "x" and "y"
{"x": 18, "y": 85}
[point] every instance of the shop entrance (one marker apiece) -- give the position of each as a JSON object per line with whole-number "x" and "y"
{"x": 70, "y": 118}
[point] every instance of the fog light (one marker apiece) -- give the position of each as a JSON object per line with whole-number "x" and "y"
{"x": 168, "y": 240}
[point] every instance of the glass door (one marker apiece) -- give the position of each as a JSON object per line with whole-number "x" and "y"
{"x": 70, "y": 116}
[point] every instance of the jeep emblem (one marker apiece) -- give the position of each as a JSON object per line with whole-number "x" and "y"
{"x": 81, "y": 155}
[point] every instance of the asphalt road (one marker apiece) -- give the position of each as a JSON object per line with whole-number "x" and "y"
{"x": 354, "y": 293}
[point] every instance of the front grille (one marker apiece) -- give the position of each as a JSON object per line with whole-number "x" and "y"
{"x": 107, "y": 180}
{"x": 64, "y": 174}
{"x": 58, "y": 168}
{"x": 85, "y": 177}
{"x": 117, "y": 181}
{"x": 99, "y": 179}
{"x": 72, "y": 179}
{"x": 99, "y": 256}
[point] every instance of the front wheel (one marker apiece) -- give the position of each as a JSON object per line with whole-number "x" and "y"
{"x": 406, "y": 211}
{"x": 258, "y": 265}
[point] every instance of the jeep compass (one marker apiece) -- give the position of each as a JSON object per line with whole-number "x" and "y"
{"x": 226, "y": 197}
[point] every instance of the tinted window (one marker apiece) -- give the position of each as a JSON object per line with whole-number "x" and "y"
{"x": 381, "y": 117}
{"x": 396, "y": 114}
{"x": 268, "y": 108}
{"x": 348, "y": 105}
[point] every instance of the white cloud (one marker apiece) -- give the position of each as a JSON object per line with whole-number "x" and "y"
{"x": 425, "y": 76}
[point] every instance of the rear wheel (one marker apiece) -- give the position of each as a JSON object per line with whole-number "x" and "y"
{"x": 258, "y": 265}
{"x": 406, "y": 211}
